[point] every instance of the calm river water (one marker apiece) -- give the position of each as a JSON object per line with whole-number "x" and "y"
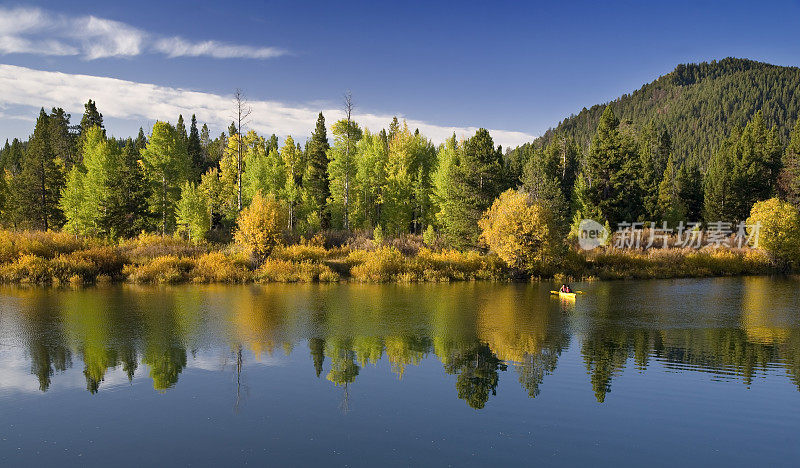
{"x": 689, "y": 372}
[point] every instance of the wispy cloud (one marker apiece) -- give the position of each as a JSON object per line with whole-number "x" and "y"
{"x": 20, "y": 86}
{"x": 35, "y": 31}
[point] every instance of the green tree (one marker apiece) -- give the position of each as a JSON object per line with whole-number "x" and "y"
{"x": 342, "y": 167}
{"x": 125, "y": 209}
{"x": 294, "y": 162}
{"x": 476, "y": 179}
{"x": 193, "y": 215}
{"x": 670, "y": 207}
{"x": 195, "y": 150}
{"x": 35, "y": 191}
{"x": 166, "y": 165}
{"x": 317, "y": 183}
{"x": 88, "y": 184}
{"x": 790, "y": 175}
{"x": 91, "y": 117}
{"x": 690, "y": 190}
{"x": 372, "y": 154}
{"x": 612, "y": 168}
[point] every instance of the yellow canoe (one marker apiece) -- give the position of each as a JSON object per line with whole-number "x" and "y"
{"x": 565, "y": 295}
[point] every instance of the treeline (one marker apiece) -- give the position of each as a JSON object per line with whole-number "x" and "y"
{"x": 699, "y": 104}
{"x": 178, "y": 181}
{"x": 390, "y": 182}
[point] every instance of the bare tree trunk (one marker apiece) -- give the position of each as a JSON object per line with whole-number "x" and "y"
{"x": 242, "y": 113}
{"x": 348, "y": 110}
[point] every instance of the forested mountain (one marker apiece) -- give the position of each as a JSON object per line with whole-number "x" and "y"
{"x": 698, "y": 104}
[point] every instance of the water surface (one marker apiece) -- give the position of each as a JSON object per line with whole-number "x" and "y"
{"x": 657, "y": 372}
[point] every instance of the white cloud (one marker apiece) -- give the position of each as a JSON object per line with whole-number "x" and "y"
{"x": 35, "y": 31}
{"x": 178, "y": 47}
{"x": 20, "y": 86}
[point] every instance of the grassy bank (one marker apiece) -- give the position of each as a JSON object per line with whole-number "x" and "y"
{"x": 58, "y": 258}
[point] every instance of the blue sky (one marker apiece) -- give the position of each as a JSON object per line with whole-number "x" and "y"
{"x": 513, "y": 67}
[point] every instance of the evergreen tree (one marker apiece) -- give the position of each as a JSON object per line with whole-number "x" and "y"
{"x": 317, "y": 183}
{"x": 612, "y": 171}
{"x": 35, "y": 191}
{"x": 654, "y": 150}
{"x": 141, "y": 140}
{"x": 717, "y": 204}
{"x": 125, "y": 209}
{"x": 11, "y": 159}
{"x": 180, "y": 128}
{"x": 790, "y": 175}
{"x": 195, "y": 150}
{"x": 476, "y": 180}
{"x": 690, "y": 186}
{"x": 62, "y": 142}
{"x": 670, "y": 207}
{"x": 91, "y": 117}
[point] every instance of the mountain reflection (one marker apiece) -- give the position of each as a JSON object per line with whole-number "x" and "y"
{"x": 481, "y": 334}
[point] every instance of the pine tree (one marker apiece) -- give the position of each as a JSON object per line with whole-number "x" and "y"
{"x": 195, "y": 150}
{"x": 141, "y": 140}
{"x": 62, "y": 142}
{"x": 477, "y": 178}
{"x": 35, "y": 191}
{"x": 91, "y": 117}
{"x": 180, "y": 128}
{"x": 790, "y": 175}
{"x": 612, "y": 172}
{"x": 670, "y": 206}
{"x": 317, "y": 183}
{"x": 690, "y": 187}
{"x": 125, "y": 209}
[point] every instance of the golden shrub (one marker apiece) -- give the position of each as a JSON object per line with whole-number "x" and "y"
{"x": 521, "y": 233}
{"x": 260, "y": 226}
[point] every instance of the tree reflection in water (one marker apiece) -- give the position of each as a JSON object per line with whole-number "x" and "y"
{"x": 477, "y": 331}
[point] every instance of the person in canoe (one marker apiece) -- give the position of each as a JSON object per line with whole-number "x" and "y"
{"x": 565, "y": 289}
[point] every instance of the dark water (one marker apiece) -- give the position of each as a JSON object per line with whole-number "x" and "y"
{"x": 691, "y": 372}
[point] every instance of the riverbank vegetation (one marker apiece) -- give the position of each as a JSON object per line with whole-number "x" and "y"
{"x": 389, "y": 205}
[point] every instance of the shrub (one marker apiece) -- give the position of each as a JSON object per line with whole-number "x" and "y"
{"x": 284, "y": 271}
{"x": 166, "y": 269}
{"x": 43, "y": 244}
{"x": 260, "y": 226}
{"x": 26, "y": 269}
{"x": 215, "y": 267}
{"x": 382, "y": 265}
{"x": 779, "y": 233}
{"x": 149, "y": 246}
{"x": 522, "y": 233}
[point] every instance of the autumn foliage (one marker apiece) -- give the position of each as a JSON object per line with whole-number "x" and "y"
{"x": 260, "y": 226}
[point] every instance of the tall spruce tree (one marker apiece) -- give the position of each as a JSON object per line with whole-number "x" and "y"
{"x": 477, "y": 178}
{"x": 317, "y": 182}
{"x": 612, "y": 169}
{"x": 125, "y": 209}
{"x": 195, "y": 150}
{"x": 36, "y": 189}
{"x": 790, "y": 174}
